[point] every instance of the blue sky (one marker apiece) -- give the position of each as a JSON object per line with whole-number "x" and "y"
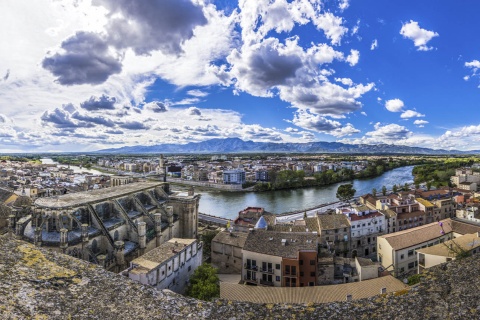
{"x": 90, "y": 74}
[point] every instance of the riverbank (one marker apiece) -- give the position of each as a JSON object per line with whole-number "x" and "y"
{"x": 228, "y": 204}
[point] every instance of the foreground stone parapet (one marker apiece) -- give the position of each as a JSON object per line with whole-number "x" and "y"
{"x": 37, "y": 283}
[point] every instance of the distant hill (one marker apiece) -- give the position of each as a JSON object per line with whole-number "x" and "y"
{"x": 236, "y": 145}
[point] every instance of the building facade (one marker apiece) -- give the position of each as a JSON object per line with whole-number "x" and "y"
{"x": 110, "y": 226}
{"x": 168, "y": 266}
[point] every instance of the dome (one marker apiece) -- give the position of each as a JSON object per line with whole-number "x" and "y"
{"x": 261, "y": 223}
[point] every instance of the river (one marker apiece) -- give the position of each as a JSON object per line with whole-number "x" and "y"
{"x": 228, "y": 204}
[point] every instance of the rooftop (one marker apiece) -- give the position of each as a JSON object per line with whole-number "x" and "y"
{"x": 333, "y": 221}
{"x": 317, "y": 294}
{"x": 424, "y": 202}
{"x": 80, "y": 198}
{"x": 271, "y": 243}
{"x": 414, "y": 236}
{"x": 165, "y": 251}
{"x": 466, "y": 242}
{"x": 236, "y": 239}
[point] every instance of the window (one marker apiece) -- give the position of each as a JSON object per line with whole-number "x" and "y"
{"x": 294, "y": 270}
{"x": 301, "y": 262}
{"x": 287, "y": 269}
{"x": 411, "y": 265}
{"x": 301, "y": 273}
{"x": 402, "y": 269}
{"x": 312, "y": 262}
{"x": 353, "y": 226}
{"x": 312, "y": 274}
{"x": 402, "y": 256}
{"x": 277, "y": 266}
{"x": 277, "y": 278}
{"x": 311, "y": 284}
{"x": 189, "y": 268}
{"x": 410, "y": 253}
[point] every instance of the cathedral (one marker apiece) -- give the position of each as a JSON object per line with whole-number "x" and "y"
{"x": 110, "y": 226}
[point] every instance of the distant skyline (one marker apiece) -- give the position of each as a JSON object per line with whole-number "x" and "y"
{"x": 86, "y": 75}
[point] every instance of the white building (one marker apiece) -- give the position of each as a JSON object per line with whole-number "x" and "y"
{"x": 168, "y": 266}
{"x": 234, "y": 176}
{"x": 467, "y": 244}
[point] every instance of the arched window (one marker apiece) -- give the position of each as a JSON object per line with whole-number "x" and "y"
{"x": 94, "y": 246}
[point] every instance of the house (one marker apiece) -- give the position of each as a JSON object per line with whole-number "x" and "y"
{"x": 335, "y": 233}
{"x": 234, "y": 176}
{"x": 280, "y": 259}
{"x": 226, "y": 252}
{"x": 467, "y": 244}
{"x": 168, "y": 266}
{"x": 397, "y": 251}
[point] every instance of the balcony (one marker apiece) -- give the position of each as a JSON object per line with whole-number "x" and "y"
{"x": 266, "y": 270}
{"x": 266, "y": 283}
{"x": 250, "y": 280}
{"x": 250, "y": 267}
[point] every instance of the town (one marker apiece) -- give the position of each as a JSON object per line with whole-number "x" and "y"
{"x": 144, "y": 227}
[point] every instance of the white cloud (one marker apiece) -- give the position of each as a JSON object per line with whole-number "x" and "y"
{"x": 363, "y": 113}
{"x": 353, "y": 58}
{"x": 344, "y": 4}
{"x": 394, "y": 105}
{"x": 411, "y": 114}
{"x": 420, "y": 123}
{"x": 345, "y": 81}
{"x": 420, "y": 37}
{"x": 374, "y": 45}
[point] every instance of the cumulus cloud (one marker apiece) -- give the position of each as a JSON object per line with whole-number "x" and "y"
{"x": 264, "y": 65}
{"x": 420, "y": 123}
{"x": 394, "y": 105}
{"x": 353, "y": 57}
{"x": 345, "y": 81}
{"x": 411, "y": 114}
{"x": 374, "y": 45}
{"x": 331, "y": 26}
{"x": 146, "y": 26}
{"x": 344, "y": 4}
{"x": 61, "y": 118}
{"x": 194, "y": 111}
{"x": 420, "y": 37}
{"x": 101, "y": 103}
{"x": 389, "y": 132}
{"x": 155, "y": 106}
{"x": 84, "y": 58}
{"x": 314, "y": 122}
{"x": 133, "y": 125}
{"x": 346, "y": 130}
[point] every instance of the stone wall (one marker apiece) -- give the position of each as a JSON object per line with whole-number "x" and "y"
{"x": 37, "y": 283}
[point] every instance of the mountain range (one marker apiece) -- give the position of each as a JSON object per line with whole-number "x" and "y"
{"x": 236, "y": 145}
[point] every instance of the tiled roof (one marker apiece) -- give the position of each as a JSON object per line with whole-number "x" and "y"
{"x": 464, "y": 228}
{"x": 236, "y": 239}
{"x": 333, "y": 221}
{"x": 388, "y": 213}
{"x": 318, "y": 294}
{"x": 156, "y": 256}
{"x": 466, "y": 242}
{"x": 414, "y": 236}
{"x": 4, "y": 195}
{"x": 270, "y": 242}
{"x": 355, "y": 217}
{"x": 424, "y": 202}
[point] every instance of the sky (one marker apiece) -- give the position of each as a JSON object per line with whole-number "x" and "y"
{"x": 84, "y": 75}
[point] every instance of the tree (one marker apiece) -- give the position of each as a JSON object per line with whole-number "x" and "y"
{"x": 384, "y": 190}
{"x": 207, "y": 238}
{"x": 204, "y": 283}
{"x": 406, "y": 187}
{"x": 394, "y": 188}
{"x": 345, "y": 192}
